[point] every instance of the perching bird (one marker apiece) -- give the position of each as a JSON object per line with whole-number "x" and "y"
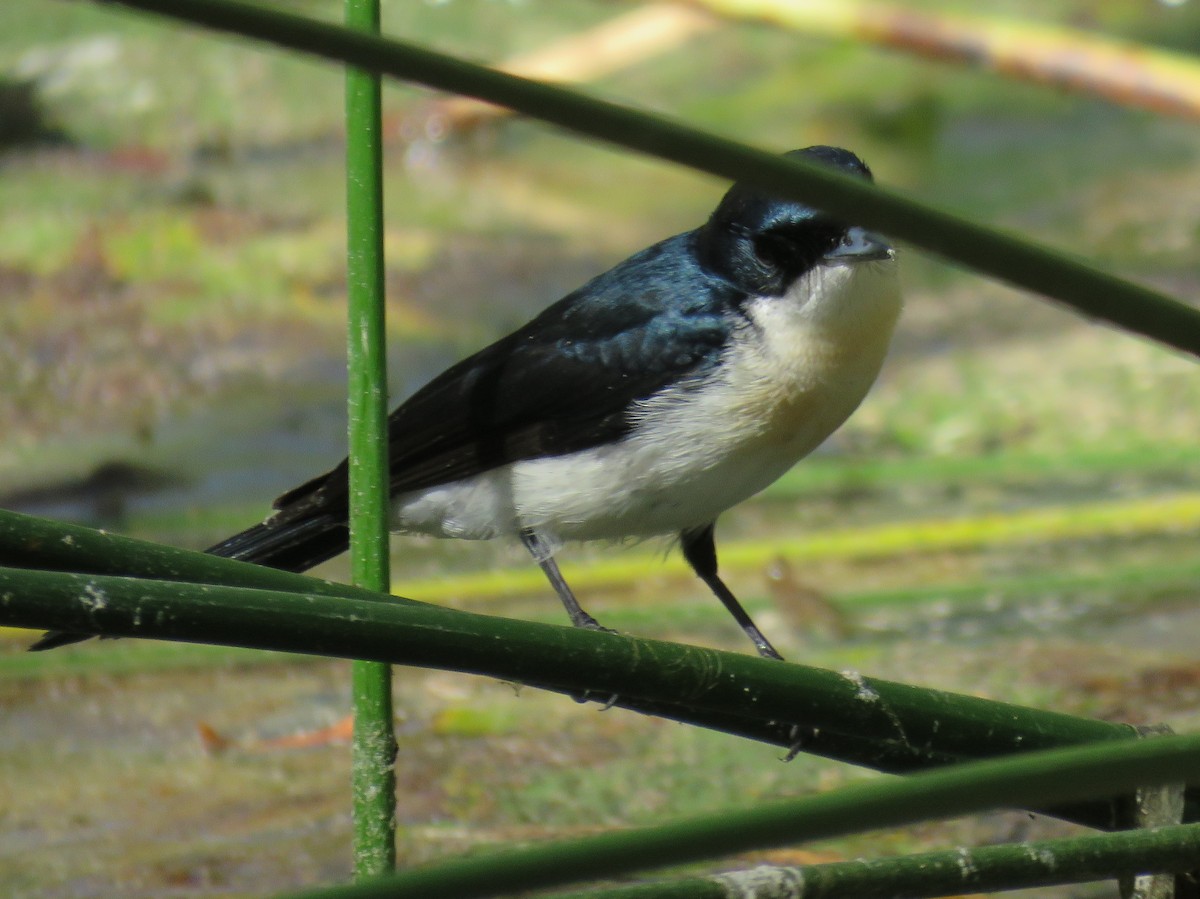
{"x": 645, "y": 403}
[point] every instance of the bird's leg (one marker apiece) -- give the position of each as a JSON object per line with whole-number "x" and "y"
{"x": 541, "y": 553}
{"x": 700, "y": 550}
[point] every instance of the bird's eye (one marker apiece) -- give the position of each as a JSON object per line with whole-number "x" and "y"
{"x": 797, "y": 247}
{"x": 772, "y": 249}
{"x": 830, "y": 236}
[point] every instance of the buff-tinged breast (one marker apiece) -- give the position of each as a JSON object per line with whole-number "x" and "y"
{"x": 802, "y": 369}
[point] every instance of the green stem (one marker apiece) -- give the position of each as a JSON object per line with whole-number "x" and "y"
{"x": 374, "y": 745}
{"x": 844, "y": 715}
{"x": 27, "y": 542}
{"x": 948, "y": 872}
{"x": 560, "y": 658}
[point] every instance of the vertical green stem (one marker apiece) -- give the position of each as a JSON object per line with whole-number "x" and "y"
{"x": 374, "y": 749}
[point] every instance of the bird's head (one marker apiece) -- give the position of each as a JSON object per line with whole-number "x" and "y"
{"x": 762, "y": 243}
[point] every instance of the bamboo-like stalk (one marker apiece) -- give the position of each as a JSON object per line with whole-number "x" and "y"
{"x": 373, "y": 775}
{"x": 1087, "y": 290}
{"x": 1009, "y": 866}
{"x": 907, "y": 726}
{"x": 27, "y": 541}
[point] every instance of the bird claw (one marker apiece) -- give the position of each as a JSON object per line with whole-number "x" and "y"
{"x": 589, "y": 696}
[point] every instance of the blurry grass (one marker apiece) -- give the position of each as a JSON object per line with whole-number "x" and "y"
{"x": 1043, "y": 526}
{"x": 113, "y": 74}
{"x": 1065, "y": 391}
{"x": 258, "y": 153}
{"x": 105, "y": 657}
{"x": 825, "y": 476}
{"x": 663, "y": 770}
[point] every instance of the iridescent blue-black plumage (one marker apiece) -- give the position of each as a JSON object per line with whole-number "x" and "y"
{"x": 570, "y": 380}
{"x": 561, "y": 383}
{"x": 565, "y": 381}
{"x": 762, "y": 243}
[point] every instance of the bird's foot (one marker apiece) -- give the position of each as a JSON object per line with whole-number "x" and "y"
{"x": 767, "y": 651}
{"x": 606, "y": 701}
{"x": 796, "y": 736}
{"x": 587, "y": 622}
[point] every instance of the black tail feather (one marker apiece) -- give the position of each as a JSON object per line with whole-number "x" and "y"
{"x": 55, "y": 639}
{"x": 289, "y": 546}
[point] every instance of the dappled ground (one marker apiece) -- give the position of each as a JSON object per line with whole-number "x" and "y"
{"x": 1012, "y": 514}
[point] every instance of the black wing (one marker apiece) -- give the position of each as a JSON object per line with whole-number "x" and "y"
{"x": 562, "y": 383}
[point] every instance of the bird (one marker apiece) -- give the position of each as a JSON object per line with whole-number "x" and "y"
{"x": 645, "y": 403}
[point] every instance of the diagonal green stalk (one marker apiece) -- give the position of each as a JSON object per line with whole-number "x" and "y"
{"x": 869, "y": 721}
{"x": 27, "y": 542}
{"x": 36, "y": 543}
{"x": 1089, "y": 291}
{"x": 561, "y": 658}
{"x": 985, "y": 869}
{"x": 1061, "y": 775}
{"x": 374, "y": 744}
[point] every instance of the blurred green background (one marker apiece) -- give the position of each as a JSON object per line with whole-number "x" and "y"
{"x": 1012, "y": 513}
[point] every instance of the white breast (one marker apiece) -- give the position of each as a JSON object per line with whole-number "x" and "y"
{"x": 787, "y": 380}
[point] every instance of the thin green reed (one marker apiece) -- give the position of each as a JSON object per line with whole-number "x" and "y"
{"x": 374, "y": 747}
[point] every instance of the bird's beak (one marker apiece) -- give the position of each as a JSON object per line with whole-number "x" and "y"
{"x": 859, "y": 245}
